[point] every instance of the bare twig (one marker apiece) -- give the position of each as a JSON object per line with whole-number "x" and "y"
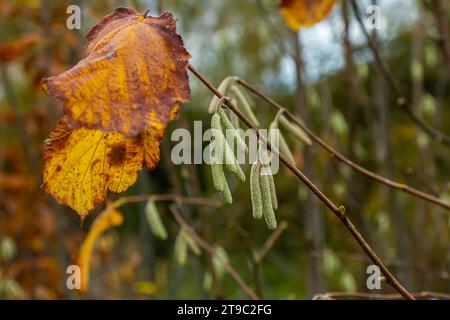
{"x": 210, "y": 249}
{"x": 394, "y": 263}
{"x": 259, "y": 256}
{"x": 336, "y": 210}
{"x": 380, "y": 296}
{"x": 402, "y": 101}
{"x": 166, "y": 198}
{"x": 442, "y": 25}
{"x": 341, "y": 157}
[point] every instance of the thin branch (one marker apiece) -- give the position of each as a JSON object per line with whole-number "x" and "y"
{"x": 256, "y": 272}
{"x": 402, "y": 101}
{"x": 379, "y": 296}
{"x": 166, "y": 198}
{"x": 393, "y": 184}
{"x": 270, "y": 242}
{"x": 394, "y": 263}
{"x": 442, "y": 25}
{"x": 336, "y": 210}
{"x": 210, "y": 249}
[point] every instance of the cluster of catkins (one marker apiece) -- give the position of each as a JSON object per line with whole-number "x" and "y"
{"x": 262, "y": 185}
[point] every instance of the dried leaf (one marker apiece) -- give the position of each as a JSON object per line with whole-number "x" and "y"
{"x": 81, "y": 165}
{"x": 110, "y": 217}
{"x": 133, "y": 75}
{"x": 304, "y": 13}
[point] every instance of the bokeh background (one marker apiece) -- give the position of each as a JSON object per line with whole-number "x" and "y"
{"x": 341, "y": 95}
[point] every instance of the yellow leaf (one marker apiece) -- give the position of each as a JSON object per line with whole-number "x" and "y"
{"x": 304, "y": 13}
{"x": 133, "y": 75}
{"x": 81, "y": 165}
{"x": 110, "y": 217}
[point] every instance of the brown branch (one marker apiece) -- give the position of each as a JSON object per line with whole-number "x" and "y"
{"x": 166, "y": 198}
{"x": 400, "y": 264}
{"x": 339, "y": 214}
{"x": 270, "y": 242}
{"x": 379, "y": 296}
{"x": 341, "y": 157}
{"x": 210, "y": 250}
{"x": 442, "y": 25}
{"x": 402, "y": 101}
{"x": 256, "y": 272}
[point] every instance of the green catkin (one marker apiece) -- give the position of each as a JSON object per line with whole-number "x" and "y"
{"x": 269, "y": 214}
{"x": 154, "y": 220}
{"x": 218, "y": 177}
{"x": 295, "y": 130}
{"x": 230, "y": 129}
{"x": 217, "y": 145}
{"x": 217, "y": 148}
{"x": 273, "y": 192}
{"x": 231, "y": 163}
{"x": 219, "y": 258}
{"x": 244, "y": 105}
{"x": 255, "y": 191}
{"x": 192, "y": 244}
{"x": 234, "y": 119}
{"x": 180, "y": 249}
{"x": 285, "y": 150}
{"x": 220, "y": 182}
{"x": 283, "y": 146}
{"x": 222, "y": 148}
{"x": 226, "y": 195}
{"x": 215, "y": 122}
{"x": 223, "y": 88}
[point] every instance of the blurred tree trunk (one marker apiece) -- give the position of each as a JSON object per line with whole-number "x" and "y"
{"x": 358, "y": 107}
{"x": 441, "y": 21}
{"x": 314, "y": 224}
{"x": 386, "y": 164}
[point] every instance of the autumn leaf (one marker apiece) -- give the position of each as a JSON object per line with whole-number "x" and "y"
{"x": 108, "y": 218}
{"x": 11, "y": 50}
{"x": 81, "y": 165}
{"x": 133, "y": 75}
{"x": 304, "y": 13}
